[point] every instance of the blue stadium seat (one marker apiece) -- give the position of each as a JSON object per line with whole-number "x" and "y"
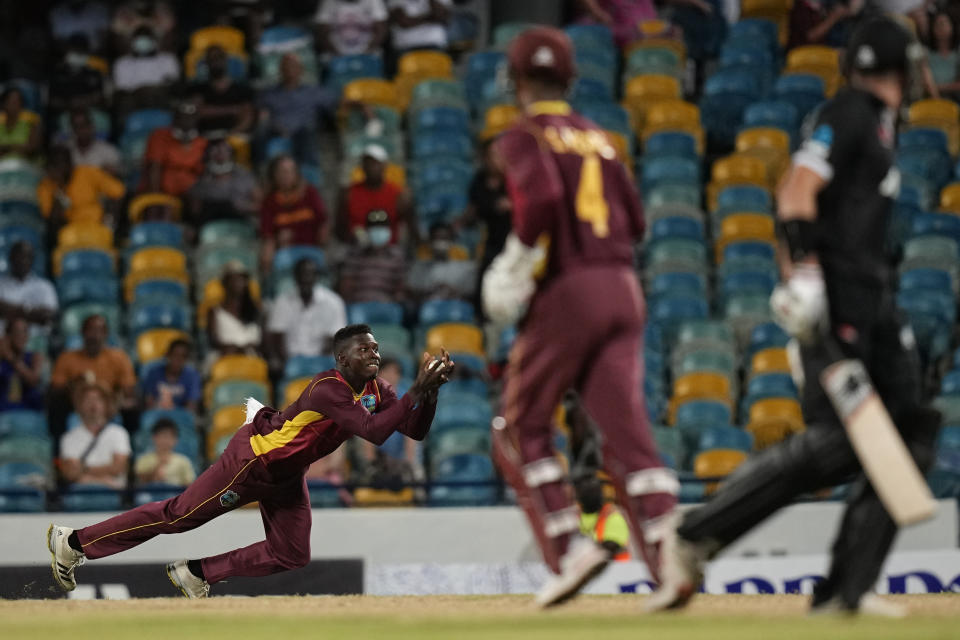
{"x": 439, "y": 311}
{"x": 467, "y": 386}
{"x": 22, "y": 500}
{"x": 677, "y": 227}
{"x": 724, "y": 437}
{"x": 430, "y": 145}
{"x": 667, "y": 284}
{"x": 12, "y": 234}
{"x": 146, "y": 493}
{"x": 671, "y": 143}
{"x": 588, "y": 90}
{"x": 756, "y": 59}
{"x": 442, "y": 120}
{"x": 609, "y": 116}
{"x": 463, "y": 468}
{"x": 744, "y": 198}
{"x": 660, "y": 171}
{"x": 727, "y": 93}
{"x": 156, "y": 234}
{"x": 747, "y": 283}
{"x": 375, "y": 312}
{"x": 949, "y": 386}
{"x": 591, "y": 37}
{"x": 278, "y": 146}
{"x": 25, "y": 208}
{"x": 481, "y": 67}
{"x": 803, "y": 90}
{"x": 91, "y": 498}
{"x": 285, "y": 259}
{"x": 937, "y": 224}
{"x": 156, "y": 316}
{"x": 469, "y": 362}
{"x": 777, "y": 114}
{"x": 312, "y": 174}
{"x": 169, "y": 292}
{"x": 343, "y": 69}
{"x": 758, "y": 30}
{"x": 925, "y": 138}
{"x": 670, "y": 311}
{"x": 741, "y": 250}
{"x": 931, "y": 315}
{"x": 703, "y": 34}
{"x": 461, "y": 409}
{"x": 307, "y": 366}
{"x": 440, "y": 203}
{"x": 431, "y": 174}
{"x": 23, "y": 422}
{"x": 926, "y": 278}
{"x": 80, "y": 287}
{"x": 283, "y": 34}
{"x": 23, "y": 474}
{"x": 767, "y": 385}
{"x": 703, "y": 413}
{"x": 146, "y": 120}
{"x": 90, "y": 262}
{"x": 944, "y": 483}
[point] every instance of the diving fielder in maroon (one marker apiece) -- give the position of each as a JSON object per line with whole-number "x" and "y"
{"x": 265, "y": 461}
{"x": 569, "y": 262}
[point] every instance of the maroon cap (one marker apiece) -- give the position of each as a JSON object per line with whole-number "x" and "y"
{"x": 542, "y": 51}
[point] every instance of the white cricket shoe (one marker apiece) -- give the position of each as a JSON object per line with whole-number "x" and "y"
{"x": 65, "y": 557}
{"x": 190, "y": 585}
{"x": 583, "y": 561}
{"x": 681, "y": 573}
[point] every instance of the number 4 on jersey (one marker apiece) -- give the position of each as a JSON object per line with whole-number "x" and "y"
{"x": 590, "y": 204}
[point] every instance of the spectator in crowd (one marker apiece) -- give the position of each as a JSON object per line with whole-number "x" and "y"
{"x": 293, "y": 212}
{"x": 25, "y": 294}
{"x": 155, "y": 17}
{"x": 290, "y": 110}
{"x": 75, "y": 83}
{"x": 490, "y": 206}
{"x": 419, "y": 24}
{"x": 144, "y": 77}
{"x": 82, "y": 193}
{"x": 349, "y": 27}
{"x": 20, "y": 130}
{"x": 374, "y": 270}
{"x": 233, "y": 326}
{"x": 96, "y": 363}
{"x": 225, "y": 190}
{"x": 398, "y": 447}
{"x": 943, "y": 55}
{"x": 302, "y": 322}
{"x": 89, "y": 150}
{"x": 89, "y": 20}
{"x": 332, "y": 470}
{"x": 174, "y": 384}
{"x": 375, "y": 193}
{"x": 21, "y": 371}
{"x": 97, "y": 451}
{"x": 819, "y": 22}
{"x": 163, "y": 465}
{"x": 174, "y": 156}
{"x": 225, "y": 106}
{"x": 439, "y": 276}
{"x": 600, "y": 519}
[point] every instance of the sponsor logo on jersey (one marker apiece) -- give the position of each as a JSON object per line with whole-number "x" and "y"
{"x": 229, "y": 499}
{"x": 369, "y": 402}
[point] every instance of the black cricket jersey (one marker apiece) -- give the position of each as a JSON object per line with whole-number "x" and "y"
{"x": 849, "y": 143}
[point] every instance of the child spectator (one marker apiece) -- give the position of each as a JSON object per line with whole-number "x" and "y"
{"x": 21, "y": 371}
{"x": 175, "y": 384}
{"x": 97, "y": 451}
{"x": 163, "y": 465}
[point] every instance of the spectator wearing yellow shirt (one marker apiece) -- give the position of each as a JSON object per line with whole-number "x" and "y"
{"x": 71, "y": 193}
{"x": 163, "y": 465}
{"x": 19, "y": 128}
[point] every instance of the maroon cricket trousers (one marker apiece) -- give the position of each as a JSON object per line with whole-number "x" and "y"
{"x": 237, "y": 478}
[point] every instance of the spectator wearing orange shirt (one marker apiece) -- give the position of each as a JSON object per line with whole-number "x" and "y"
{"x": 71, "y": 193}
{"x": 174, "y": 157}
{"x": 374, "y": 193}
{"x": 293, "y": 212}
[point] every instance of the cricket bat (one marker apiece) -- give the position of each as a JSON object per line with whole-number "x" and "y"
{"x": 885, "y": 459}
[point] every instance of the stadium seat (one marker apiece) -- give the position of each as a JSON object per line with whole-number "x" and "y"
{"x": 671, "y": 144}
{"x": 767, "y": 385}
{"x": 724, "y": 437}
{"x": 292, "y": 389}
{"x": 23, "y": 422}
{"x": 669, "y": 312}
{"x": 681, "y": 194}
{"x": 659, "y": 171}
{"x": 745, "y": 227}
{"x": 89, "y": 497}
{"x": 227, "y": 38}
{"x": 455, "y": 337}
{"x": 686, "y": 284}
{"x": 159, "y": 291}
{"x": 742, "y": 198}
{"x": 463, "y": 468}
{"x": 438, "y": 93}
{"x": 771, "y": 360}
{"x": 371, "y": 91}
{"x": 745, "y": 312}
{"x": 226, "y": 421}
{"x": 307, "y": 366}
{"x": 71, "y": 318}
{"x": 23, "y": 475}
{"x": 78, "y": 287}
{"x": 949, "y": 406}
{"x": 239, "y": 367}
{"x": 773, "y": 419}
{"x": 84, "y": 235}
{"x": 699, "y": 386}
{"x": 235, "y": 393}
{"x": 778, "y": 114}
{"x": 434, "y": 312}
{"x": 672, "y": 115}
{"x": 94, "y": 263}
{"x": 156, "y": 234}
{"x": 643, "y": 91}
{"x": 703, "y": 413}
{"x": 474, "y": 440}
{"x": 736, "y": 169}
{"x": 803, "y": 90}
{"x": 932, "y": 315}
{"x": 137, "y": 206}
{"x": 652, "y": 60}
{"x": 455, "y": 410}
{"x": 343, "y": 69}
{"x": 717, "y": 463}
{"x": 482, "y": 66}
{"x": 949, "y": 386}
{"x": 498, "y": 119}
{"x": 375, "y": 313}
{"x": 144, "y": 317}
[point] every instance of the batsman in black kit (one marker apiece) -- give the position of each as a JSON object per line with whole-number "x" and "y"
{"x": 838, "y": 300}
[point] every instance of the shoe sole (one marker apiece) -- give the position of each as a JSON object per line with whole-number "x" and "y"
{"x": 680, "y": 599}
{"x": 575, "y": 587}
{"x": 53, "y": 563}
{"x": 175, "y": 582}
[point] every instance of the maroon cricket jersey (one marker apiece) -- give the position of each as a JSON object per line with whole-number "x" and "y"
{"x": 326, "y": 414}
{"x": 569, "y": 189}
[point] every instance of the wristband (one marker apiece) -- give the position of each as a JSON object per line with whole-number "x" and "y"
{"x": 802, "y": 238}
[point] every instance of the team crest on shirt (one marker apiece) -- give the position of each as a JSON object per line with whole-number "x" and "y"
{"x": 229, "y": 499}
{"x": 369, "y": 402}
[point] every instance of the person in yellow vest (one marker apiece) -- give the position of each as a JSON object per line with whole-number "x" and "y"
{"x": 600, "y": 519}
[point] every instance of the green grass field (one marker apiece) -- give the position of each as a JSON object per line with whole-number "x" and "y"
{"x": 455, "y": 617}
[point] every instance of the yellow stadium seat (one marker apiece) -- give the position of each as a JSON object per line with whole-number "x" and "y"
{"x": 950, "y": 198}
{"x": 229, "y": 39}
{"x": 773, "y": 419}
{"x": 735, "y": 169}
{"x": 226, "y": 421}
{"x": 739, "y": 227}
{"x": 133, "y": 278}
{"x": 158, "y": 258}
{"x": 85, "y": 235}
{"x": 426, "y": 64}
{"x": 717, "y": 463}
{"x": 645, "y": 90}
{"x": 653, "y": 28}
{"x": 141, "y": 202}
{"x": 293, "y": 389}
{"x": 777, "y": 11}
{"x": 99, "y": 64}
{"x": 699, "y": 385}
{"x": 241, "y": 148}
{"x": 819, "y": 61}
{"x": 371, "y": 91}
{"x": 772, "y": 360}
{"x": 455, "y": 337}
{"x": 213, "y": 294}
{"x": 498, "y": 119}
{"x": 763, "y": 138}
{"x": 239, "y": 367}
{"x": 934, "y": 110}
{"x": 622, "y": 146}
{"x": 367, "y": 497}
{"x": 394, "y": 173}
{"x": 153, "y": 344}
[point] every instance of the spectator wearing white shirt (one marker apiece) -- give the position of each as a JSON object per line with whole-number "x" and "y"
{"x": 97, "y": 451}
{"x": 419, "y": 24}
{"x": 302, "y": 322}
{"x": 23, "y": 293}
{"x": 349, "y": 27}
{"x": 143, "y": 77}
{"x": 89, "y": 150}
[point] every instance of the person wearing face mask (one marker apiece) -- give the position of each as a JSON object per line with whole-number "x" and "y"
{"x": 130, "y": 17}
{"x": 74, "y": 83}
{"x": 89, "y": 150}
{"x": 143, "y": 77}
{"x": 439, "y": 277}
{"x": 225, "y": 190}
{"x": 293, "y": 213}
{"x": 374, "y": 192}
{"x": 374, "y": 270}
{"x": 225, "y": 106}
{"x": 174, "y": 157}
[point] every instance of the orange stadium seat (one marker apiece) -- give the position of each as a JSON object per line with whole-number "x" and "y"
{"x": 226, "y": 421}
{"x": 393, "y": 173}
{"x": 229, "y": 39}
{"x": 158, "y": 259}
{"x": 773, "y": 419}
{"x": 820, "y": 61}
{"x": 771, "y": 146}
{"x": 950, "y": 198}
{"x": 498, "y": 119}
{"x": 455, "y": 337}
{"x": 739, "y": 227}
{"x": 293, "y": 389}
{"x": 772, "y": 360}
{"x": 699, "y": 385}
{"x": 367, "y": 497}
{"x": 153, "y": 344}
{"x": 427, "y": 64}
{"x": 673, "y": 115}
{"x": 81, "y": 235}
{"x": 938, "y": 114}
{"x": 735, "y": 169}
{"x": 239, "y": 367}
{"x": 371, "y": 91}
{"x": 645, "y": 90}
{"x": 144, "y": 200}
{"x": 717, "y": 463}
